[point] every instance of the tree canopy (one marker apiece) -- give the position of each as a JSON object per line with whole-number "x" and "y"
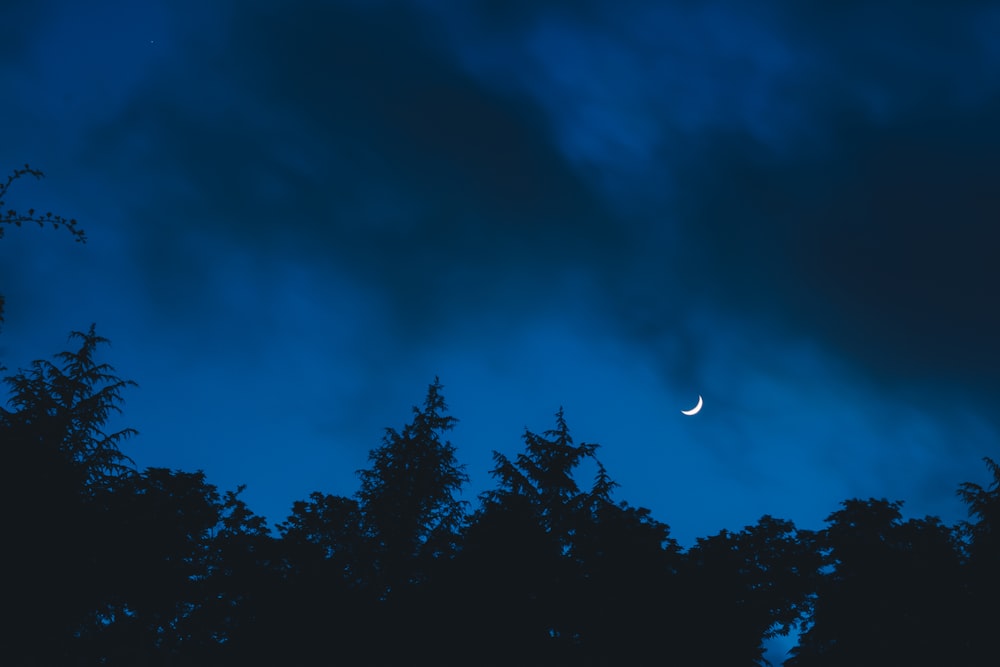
{"x": 106, "y": 564}
{"x": 158, "y": 566}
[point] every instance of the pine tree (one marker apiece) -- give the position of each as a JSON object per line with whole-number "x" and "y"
{"x": 63, "y": 408}
{"x": 522, "y": 548}
{"x": 981, "y": 542}
{"x": 407, "y": 498}
{"x": 543, "y": 476}
{"x": 60, "y": 463}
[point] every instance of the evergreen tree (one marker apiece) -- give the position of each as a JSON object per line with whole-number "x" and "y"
{"x": 984, "y": 506}
{"x": 409, "y": 511}
{"x": 543, "y": 476}
{"x": 59, "y": 462}
{"x": 890, "y": 593}
{"x": 154, "y": 566}
{"x": 63, "y": 409}
{"x": 623, "y": 599}
{"x": 530, "y": 549}
{"x": 981, "y": 580}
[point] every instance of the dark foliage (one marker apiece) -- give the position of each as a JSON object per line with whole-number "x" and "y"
{"x": 756, "y": 583}
{"x": 979, "y": 614}
{"x": 13, "y": 217}
{"x": 408, "y": 509}
{"x": 891, "y": 594}
{"x": 110, "y": 565}
{"x": 64, "y": 408}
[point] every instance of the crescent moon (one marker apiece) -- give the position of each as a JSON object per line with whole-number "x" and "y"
{"x": 696, "y": 409}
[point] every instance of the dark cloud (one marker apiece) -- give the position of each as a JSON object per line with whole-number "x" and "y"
{"x": 867, "y": 223}
{"x": 344, "y": 135}
{"x": 769, "y": 204}
{"x": 27, "y": 18}
{"x": 881, "y": 246}
{"x": 877, "y": 240}
{"x": 356, "y": 137}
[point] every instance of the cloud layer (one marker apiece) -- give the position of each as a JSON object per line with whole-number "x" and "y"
{"x": 789, "y": 210}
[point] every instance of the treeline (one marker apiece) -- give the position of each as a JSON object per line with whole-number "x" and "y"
{"x": 105, "y": 564}
{"x": 109, "y": 565}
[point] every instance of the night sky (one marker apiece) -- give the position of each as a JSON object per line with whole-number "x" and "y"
{"x": 300, "y": 213}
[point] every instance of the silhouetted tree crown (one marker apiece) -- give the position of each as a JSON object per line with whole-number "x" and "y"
{"x": 543, "y": 476}
{"x": 64, "y": 407}
{"x": 62, "y": 464}
{"x": 408, "y": 504}
{"x": 890, "y": 593}
{"x": 984, "y": 506}
{"x": 107, "y": 565}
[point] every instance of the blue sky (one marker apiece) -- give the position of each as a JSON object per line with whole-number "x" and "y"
{"x": 299, "y": 214}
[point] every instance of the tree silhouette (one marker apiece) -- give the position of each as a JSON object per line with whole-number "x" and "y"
{"x": 318, "y": 598}
{"x": 354, "y": 572}
{"x": 504, "y": 588}
{"x": 984, "y": 505}
{"x": 59, "y": 461}
{"x": 755, "y": 583}
{"x": 108, "y": 565}
{"x": 327, "y": 529}
{"x": 243, "y": 564}
{"x": 156, "y": 549}
{"x": 981, "y": 542}
{"x": 407, "y": 500}
{"x": 542, "y": 475}
{"x": 890, "y": 594}
{"x": 623, "y": 598}
{"x": 543, "y": 563}
{"x": 64, "y": 409}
